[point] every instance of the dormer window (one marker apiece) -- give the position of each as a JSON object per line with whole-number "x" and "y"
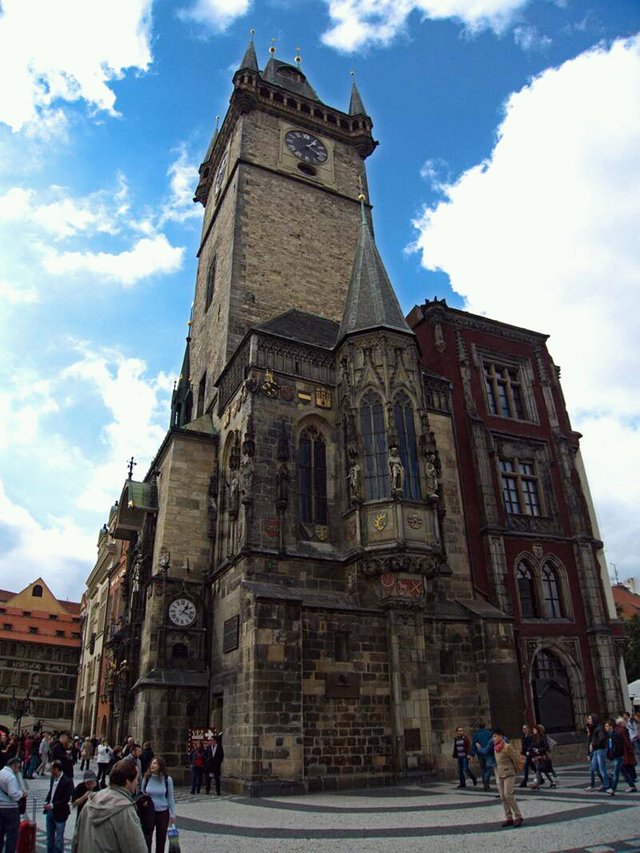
{"x": 290, "y": 74}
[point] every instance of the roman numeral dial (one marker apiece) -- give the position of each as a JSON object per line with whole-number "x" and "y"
{"x": 305, "y": 146}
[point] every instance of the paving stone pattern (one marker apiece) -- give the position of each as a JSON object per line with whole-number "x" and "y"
{"x": 430, "y": 817}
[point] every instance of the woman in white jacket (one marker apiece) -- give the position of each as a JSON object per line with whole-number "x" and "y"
{"x": 105, "y": 757}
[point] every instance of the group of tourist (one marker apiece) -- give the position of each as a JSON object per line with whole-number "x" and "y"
{"x": 617, "y": 741}
{"x": 125, "y": 815}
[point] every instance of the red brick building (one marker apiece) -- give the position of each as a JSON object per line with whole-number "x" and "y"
{"x": 39, "y": 654}
{"x": 534, "y": 544}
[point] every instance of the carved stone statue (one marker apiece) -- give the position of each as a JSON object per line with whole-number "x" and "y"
{"x": 234, "y": 494}
{"x": 354, "y": 481}
{"x": 431, "y": 467}
{"x": 246, "y": 479}
{"x": 282, "y": 487}
{"x": 396, "y": 469}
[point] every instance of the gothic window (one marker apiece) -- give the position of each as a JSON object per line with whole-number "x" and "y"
{"x": 504, "y": 393}
{"x": 551, "y": 593}
{"x": 527, "y": 591}
{"x": 519, "y": 482}
{"x": 374, "y": 447}
{"x": 201, "y": 392}
{"x": 211, "y": 284}
{"x": 312, "y": 477}
{"x": 406, "y": 432}
{"x": 36, "y": 592}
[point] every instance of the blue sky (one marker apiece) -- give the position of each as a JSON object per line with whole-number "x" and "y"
{"x": 507, "y": 180}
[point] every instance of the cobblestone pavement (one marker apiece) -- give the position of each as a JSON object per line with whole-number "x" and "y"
{"x": 430, "y": 817}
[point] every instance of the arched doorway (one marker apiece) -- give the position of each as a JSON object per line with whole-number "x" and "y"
{"x": 552, "y": 693}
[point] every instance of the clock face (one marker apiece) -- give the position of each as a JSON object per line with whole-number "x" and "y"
{"x": 305, "y": 146}
{"x": 219, "y": 178}
{"x": 182, "y": 612}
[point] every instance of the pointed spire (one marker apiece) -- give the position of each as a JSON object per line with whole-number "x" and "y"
{"x": 216, "y": 132}
{"x": 356, "y": 107}
{"x": 250, "y": 60}
{"x": 371, "y": 300}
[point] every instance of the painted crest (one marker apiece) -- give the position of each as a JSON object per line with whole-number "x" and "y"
{"x": 380, "y": 521}
{"x": 414, "y": 521}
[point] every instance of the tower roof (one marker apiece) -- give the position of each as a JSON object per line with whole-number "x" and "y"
{"x": 249, "y": 60}
{"x": 288, "y": 77}
{"x": 356, "y": 107}
{"x": 371, "y": 300}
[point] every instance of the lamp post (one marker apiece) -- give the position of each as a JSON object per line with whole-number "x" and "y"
{"x": 24, "y": 706}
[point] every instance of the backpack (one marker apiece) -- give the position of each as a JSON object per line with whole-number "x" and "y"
{"x": 146, "y": 812}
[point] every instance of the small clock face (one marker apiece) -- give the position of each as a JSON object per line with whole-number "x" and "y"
{"x": 219, "y": 178}
{"x": 182, "y": 612}
{"x": 305, "y": 146}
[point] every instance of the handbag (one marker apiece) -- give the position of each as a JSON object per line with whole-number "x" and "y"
{"x": 174, "y": 840}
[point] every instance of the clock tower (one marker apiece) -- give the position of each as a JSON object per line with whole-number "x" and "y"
{"x": 299, "y": 538}
{"x": 279, "y": 186}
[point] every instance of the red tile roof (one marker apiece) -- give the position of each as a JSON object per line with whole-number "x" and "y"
{"x": 626, "y": 601}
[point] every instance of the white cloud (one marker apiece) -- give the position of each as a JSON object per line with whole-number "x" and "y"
{"x": 528, "y": 38}
{"x": 149, "y": 256}
{"x": 183, "y": 177}
{"x": 138, "y": 418}
{"x": 13, "y": 294}
{"x": 25, "y": 400}
{"x": 57, "y": 549}
{"x": 131, "y": 419}
{"x": 544, "y": 234}
{"x": 67, "y": 50}
{"x": 217, "y": 14}
{"x": 357, "y": 23}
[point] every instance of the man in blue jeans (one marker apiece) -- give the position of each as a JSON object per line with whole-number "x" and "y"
{"x": 11, "y": 792}
{"x": 481, "y": 739}
{"x": 57, "y": 807}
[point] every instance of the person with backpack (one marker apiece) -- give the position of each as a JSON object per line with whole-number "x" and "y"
{"x": 108, "y": 821}
{"x": 158, "y": 786}
{"x": 196, "y": 759}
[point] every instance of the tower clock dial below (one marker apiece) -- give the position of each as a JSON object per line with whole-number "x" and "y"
{"x": 182, "y": 612}
{"x": 305, "y": 146}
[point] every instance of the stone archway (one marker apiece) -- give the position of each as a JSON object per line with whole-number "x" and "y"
{"x": 557, "y": 688}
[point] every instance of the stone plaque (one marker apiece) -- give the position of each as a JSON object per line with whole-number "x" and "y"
{"x": 412, "y": 740}
{"x": 342, "y": 685}
{"x": 231, "y": 634}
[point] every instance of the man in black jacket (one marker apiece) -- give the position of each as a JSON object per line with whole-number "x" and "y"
{"x": 213, "y": 758}
{"x": 57, "y": 807}
{"x": 62, "y": 752}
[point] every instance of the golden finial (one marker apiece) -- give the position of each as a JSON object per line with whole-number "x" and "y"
{"x": 272, "y": 49}
{"x": 297, "y": 58}
{"x": 361, "y": 195}
{"x": 252, "y": 33}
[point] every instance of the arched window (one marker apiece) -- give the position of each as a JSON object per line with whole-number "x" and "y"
{"x": 211, "y": 284}
{"x": 526, "y": 591}
{"x": 406, "y": 432}
{"x": 551, "y": 593}
{"x": 374, "y": 447}
{"x": 552, "y": 693}
{"x": 36, "y": 592}
{"x": 312, "y": 477}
